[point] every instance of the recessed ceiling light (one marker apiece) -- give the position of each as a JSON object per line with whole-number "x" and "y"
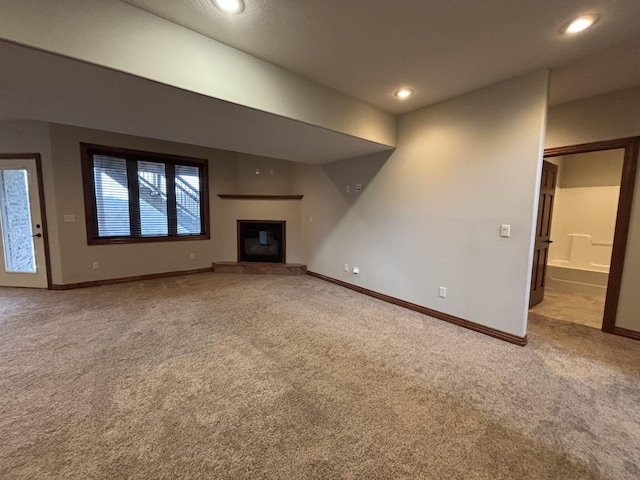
{"x": 580, "y": 24}
{"x": 403, "y": 93}
{"x": 230, "y": 6}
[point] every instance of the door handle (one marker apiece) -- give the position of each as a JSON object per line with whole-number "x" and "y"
{"x": 37, "y": 235}
{"x": 548, "y": 241}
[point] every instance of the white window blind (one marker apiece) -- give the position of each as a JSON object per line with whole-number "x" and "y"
{"x": 152, "y": 196}
{"x": 112, "y": 196}
{"x": 188, "y": 198}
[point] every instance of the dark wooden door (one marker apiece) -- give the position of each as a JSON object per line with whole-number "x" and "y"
{"x": 543, "y": 231}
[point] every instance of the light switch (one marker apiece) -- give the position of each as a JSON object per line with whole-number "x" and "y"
{"x": 358, "y": 187}
{"x": 505, "y": 230}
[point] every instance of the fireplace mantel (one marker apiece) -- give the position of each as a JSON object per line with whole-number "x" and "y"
{"x": 226, "y": 196}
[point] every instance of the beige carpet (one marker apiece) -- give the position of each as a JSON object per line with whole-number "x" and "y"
{"x": 249, "y": 377}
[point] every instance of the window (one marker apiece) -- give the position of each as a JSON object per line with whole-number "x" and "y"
{"x": 133, "y": 196}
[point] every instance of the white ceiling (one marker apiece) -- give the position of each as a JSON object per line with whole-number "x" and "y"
{"x": 368, "y": 48}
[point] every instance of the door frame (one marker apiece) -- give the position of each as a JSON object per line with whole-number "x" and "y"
{"x": 43, "y": 210}
{"x": 631, "y": 148}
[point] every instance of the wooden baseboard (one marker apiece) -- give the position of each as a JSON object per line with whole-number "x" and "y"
{"x": 461, "y": 322}
{"x": 97, "y": 283}
{"x": 623, "y": 332}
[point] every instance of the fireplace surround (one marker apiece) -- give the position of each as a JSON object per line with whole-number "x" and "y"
{"x": 262, "y": 241}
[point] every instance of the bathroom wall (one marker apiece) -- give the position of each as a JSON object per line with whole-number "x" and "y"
{"x": 584, "y": 214}
{"x": 606, "y": 117}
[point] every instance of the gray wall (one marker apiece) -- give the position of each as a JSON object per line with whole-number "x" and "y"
{"x": 429, "y": 215}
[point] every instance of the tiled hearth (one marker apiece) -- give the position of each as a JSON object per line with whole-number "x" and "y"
{"x": 261, "y": 268}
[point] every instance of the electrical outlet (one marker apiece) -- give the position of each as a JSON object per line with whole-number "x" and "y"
{"x": 192, "y": 256}
{"x": 69, "y": 219}
{"x": 346, "y": 267}
{"x": 443, "y": 292}
{"x": 356, "y": 270}
{"x": 505, "y": 230}
{"x": 96, "y": 265}
{"x": 358, "y": 187}
{"x": 257, "y": 171}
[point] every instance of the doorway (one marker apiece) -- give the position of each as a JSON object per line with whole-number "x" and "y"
{"x": 581, "y": 273}
{"x": 23, "y": 234}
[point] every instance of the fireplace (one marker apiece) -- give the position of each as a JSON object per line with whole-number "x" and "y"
{"x": 261, "y": 241}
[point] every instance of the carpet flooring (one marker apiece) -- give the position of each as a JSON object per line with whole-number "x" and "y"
{"x": 251, "y": 377}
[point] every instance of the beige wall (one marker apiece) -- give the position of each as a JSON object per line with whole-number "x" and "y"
{"x": 430, "y": 214}
{"x": 593, "y": 169}
{"x": 72, "y": 259}
{"x": 606, "y": 117}
{"x": 274, "y": 177}
{"x": 585, "y": 208}
{"x": 76, "y": 257}
{"x": 33, "y": 137}
{"x": 583, "y": 226}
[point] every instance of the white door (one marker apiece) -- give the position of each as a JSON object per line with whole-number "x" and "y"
{"x": 22, "y": 257}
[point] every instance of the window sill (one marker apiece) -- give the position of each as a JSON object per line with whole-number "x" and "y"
{"x": 260, "y": 197}
{"x": 130, "y": 240}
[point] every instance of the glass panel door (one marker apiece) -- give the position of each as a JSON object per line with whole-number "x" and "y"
{"x": 15, "y": 221}
{"x": 22, "y": 249}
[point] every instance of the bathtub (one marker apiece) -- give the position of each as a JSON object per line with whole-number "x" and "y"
{"x": 576, "y": 280}
{"x": 586, "y": 270}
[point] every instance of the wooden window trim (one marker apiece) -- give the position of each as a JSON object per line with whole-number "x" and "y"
{"x": 87, "y": 151}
